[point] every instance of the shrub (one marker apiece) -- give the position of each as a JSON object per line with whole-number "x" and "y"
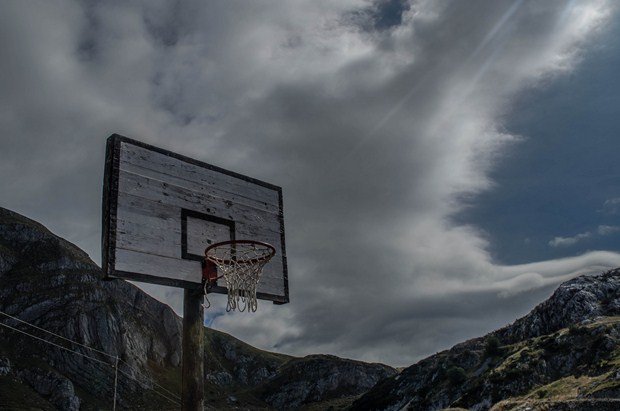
{"x": 492, "y": 347}
{"x": 575, "y": 330}
{"x": 456, "y": 375}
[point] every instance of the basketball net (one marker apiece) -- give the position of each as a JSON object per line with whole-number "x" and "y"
{"x": 241, "y": 264}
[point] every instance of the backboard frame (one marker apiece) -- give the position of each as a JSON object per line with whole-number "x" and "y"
{"x": 110, "y": 218}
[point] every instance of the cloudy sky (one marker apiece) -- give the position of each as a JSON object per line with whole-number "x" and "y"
{"x": 445, "y": 164}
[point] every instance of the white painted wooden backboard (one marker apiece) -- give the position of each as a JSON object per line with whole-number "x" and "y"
{"x": 161, "y": 210}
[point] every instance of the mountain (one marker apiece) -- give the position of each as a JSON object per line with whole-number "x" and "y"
{"x": 63, "y": 330}
{"x": 563, "y": 355}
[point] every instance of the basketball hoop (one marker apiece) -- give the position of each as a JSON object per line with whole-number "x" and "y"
{"x": 241, "y": 264}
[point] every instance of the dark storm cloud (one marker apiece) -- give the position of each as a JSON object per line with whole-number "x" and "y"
{"x": 381, "y": 120}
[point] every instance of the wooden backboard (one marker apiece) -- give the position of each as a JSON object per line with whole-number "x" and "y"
{"x": 162, "y": 209}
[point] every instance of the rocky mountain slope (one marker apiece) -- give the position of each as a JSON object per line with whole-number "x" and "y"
{"x": 53, "y": 285}
{"x": 564, "y": 355}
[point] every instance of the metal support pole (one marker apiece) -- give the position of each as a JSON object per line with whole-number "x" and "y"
{"x": 193, "y": 351}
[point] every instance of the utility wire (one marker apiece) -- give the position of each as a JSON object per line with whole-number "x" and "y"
{"x": 171, "y": 397}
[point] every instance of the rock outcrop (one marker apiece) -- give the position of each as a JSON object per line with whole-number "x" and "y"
{"x": 566, "y": 351}
{"x": 577, "y": 301}
{"x": 50, "y": 283}
{"x": 318, "y": 378}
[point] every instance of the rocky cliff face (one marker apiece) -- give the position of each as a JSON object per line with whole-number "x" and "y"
{"x": 565, "y": 354}
{"x": 580, "y": 300}
{"x": 318, "y": 378}
{"x": 50, "y": 283}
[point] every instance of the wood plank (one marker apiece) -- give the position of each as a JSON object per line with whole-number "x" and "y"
{"x": 172, "y": 170}
{"x": 142, "y": 220}
{"x": 137, "y": 186}
{"x": 154, "y": 158}
{"x": 155, "y": 265}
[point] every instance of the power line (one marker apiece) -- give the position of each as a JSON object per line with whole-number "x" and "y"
{"x": 54, "y": 344}
{"x": 172, "y": 397}
{"x": 56, "y": 335}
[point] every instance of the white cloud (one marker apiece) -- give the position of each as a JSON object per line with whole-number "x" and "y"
{"x": 568, "y": 241}
{"x": 607, "y": 229}
{"x": 601, "y": 230}
{"x": 611, "y": 206}
{"x": 556, "y": 271}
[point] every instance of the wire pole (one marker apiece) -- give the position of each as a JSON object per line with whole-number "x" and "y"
{"x": 193, "y": 350}
{"x": 115, "y": 381}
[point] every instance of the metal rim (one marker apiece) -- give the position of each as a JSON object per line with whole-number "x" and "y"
{"x": 272, "y": 251}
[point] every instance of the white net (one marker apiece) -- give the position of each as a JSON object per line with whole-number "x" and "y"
{"x": 241, "y": 264}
